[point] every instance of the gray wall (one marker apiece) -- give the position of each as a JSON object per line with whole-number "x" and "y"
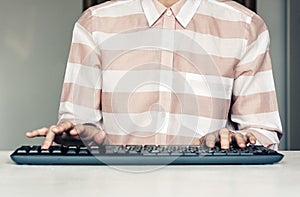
{"x": 34, "y": 43}
{"x": 293, "y": 74}
{"x": 274, "y": 14}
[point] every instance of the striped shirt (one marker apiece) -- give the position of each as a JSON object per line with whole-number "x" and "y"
{"x": 147, "y": 74}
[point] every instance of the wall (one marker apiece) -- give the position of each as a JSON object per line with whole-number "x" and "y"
{"x": 274, "y": 14}
{"x": 293, "y": 74}
{"x": 34, "y": 43}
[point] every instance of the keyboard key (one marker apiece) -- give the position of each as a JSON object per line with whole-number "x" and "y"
{"x": 233, "y": 153}
{"x": 71, "y": 152}
{"x": 34, "y": 150}
{"x": 56, "y": 149}
{"x": 163, "y": 153}
{"x": 47, "y": 151}
{"x": 73, "y": 147}
{"x": 21, "y": 151}
{"x": 245, "y": 152}
{"x": 26, "y": 148}
{"x": 190, "y": 154}
{"x": 111, "y": 149}
{"x": 94, "y": 150}
{"x": 221, "y": 153}
{"x": 176, "y": 153}
{"x": 146, "y": 153}
{"x": 83, "y": 152}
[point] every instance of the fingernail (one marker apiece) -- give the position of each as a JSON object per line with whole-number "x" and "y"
{"x": 73, "y": 132}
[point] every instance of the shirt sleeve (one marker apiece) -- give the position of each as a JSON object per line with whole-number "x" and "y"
{"x": 254, "y": 104}
{"x": 81, "y": 92}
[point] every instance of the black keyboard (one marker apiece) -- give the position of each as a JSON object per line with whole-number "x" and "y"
{"x": 143, "y": 155}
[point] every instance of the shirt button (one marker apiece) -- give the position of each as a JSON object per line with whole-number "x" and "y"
{"x": 169, "y": 13}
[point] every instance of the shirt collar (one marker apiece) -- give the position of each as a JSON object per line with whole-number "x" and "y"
{"x": 184, "y": 10}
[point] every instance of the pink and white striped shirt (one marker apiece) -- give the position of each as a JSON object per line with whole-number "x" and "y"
{"x": 147, "y": 74}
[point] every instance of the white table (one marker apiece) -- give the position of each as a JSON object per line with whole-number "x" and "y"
{"x": 282, "y": 180}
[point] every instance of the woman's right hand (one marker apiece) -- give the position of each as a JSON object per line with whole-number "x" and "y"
{"x": 67, "y": 133}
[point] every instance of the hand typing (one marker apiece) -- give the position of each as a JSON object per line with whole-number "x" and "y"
{"x": 67, "y": 133}
{"x": 226, "y": 137}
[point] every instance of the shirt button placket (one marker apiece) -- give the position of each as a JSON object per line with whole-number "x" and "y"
{"x": 167, "y": 56}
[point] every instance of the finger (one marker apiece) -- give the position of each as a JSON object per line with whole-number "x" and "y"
{"x": 48, "y": 139}
{"x": 74, "y": 132}
{"x": 210, "y": 140}
{"x": 251, "y": 138}
{"x": 225, "y": 138}
{"x": 201, "y": 140}
{"x": 62, "y": 127}
{"x": 37, "y": 133}
{"x": 240, "y": 139}
{"x": 85, "y": 132}
{"x": 99, "y": 137}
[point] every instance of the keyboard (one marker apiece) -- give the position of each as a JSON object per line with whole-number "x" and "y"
{"x": 143, "y": 155}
